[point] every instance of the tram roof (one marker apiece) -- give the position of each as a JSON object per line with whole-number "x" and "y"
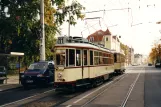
{"x": 83, "y": 45}
{"x": 114, "y": 51}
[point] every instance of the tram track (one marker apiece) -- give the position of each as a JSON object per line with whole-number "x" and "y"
{"x": 13, "y": 95}
{"x": 59, "y": 98}
{"x": 100, "y": 90}
{"x": 56, "y": 97}
{"x": 45, "y": 97}
{"x": 52, "y": 98}
{"x": 97, "y": 94}
{"x": 130, "y": 91}
{"x": 119, "y": 79}
{"x": 124, "y": 100}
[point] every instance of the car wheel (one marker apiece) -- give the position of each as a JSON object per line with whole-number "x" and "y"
{"x": 25, "y": 86}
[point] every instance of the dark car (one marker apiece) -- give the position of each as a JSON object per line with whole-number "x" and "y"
{"x": 3, "y": 75}
{"x": 157, "y": 65}
{"x": 39, "y": 73}
{"x": 149, "y": 64}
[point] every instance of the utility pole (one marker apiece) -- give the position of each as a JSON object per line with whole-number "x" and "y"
{"x": 42, "y": 36}
{"x": 69, "y": 25}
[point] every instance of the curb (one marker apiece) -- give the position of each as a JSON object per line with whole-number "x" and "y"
{"x": 11, "y": 88}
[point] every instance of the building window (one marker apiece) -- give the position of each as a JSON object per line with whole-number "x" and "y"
{"x": 91, "y": 39}
{"x": 106, "y": 38}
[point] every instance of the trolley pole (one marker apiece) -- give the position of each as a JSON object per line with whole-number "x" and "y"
{"x": 42, "y": 36}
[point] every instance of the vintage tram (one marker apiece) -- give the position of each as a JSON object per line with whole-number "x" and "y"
{"x": 81, "y": 63}
{"x": 119, "y": 62}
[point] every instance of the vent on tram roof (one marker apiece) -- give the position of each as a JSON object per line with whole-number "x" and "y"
{"x": 78, "y": 40}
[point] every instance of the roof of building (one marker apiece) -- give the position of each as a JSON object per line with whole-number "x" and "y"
{"x": 98, "y": 35}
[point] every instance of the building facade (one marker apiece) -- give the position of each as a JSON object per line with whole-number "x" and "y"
{"x": 106, "y": 39}
{"x": 130, "y": 56}
{"x": 138, "y": 59}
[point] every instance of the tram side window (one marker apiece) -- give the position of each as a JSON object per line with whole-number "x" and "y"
{"x": 66, "y": 57}
{"x": 118, "y": 57}
{"x": 91, "y": 57}
{"x": 111, "y": 59}
{"x": 115, "y": 57}
{"x": 85, "y": 57}
{"x": 96, "y": 58}
{"x": 78, "y": 58}
{"x": 71, "y": 57}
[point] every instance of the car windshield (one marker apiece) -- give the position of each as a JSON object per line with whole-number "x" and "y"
{"x": 2, "y": 69}
{"x": 38, "y": 66}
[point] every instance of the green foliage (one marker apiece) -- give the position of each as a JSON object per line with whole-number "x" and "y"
{"x": 155, "y": 53}
{"x": 20, "y": 25}
{"x": 125, "y": 48}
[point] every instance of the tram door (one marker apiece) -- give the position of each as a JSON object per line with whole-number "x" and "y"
{"x": 84, "y": 62}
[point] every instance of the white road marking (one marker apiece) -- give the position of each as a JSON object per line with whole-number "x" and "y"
{"x": 69, "y": 106}
{"x": 26, "y": 98}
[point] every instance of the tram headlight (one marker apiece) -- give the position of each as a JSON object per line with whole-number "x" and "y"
{"x": 59, "y": 75}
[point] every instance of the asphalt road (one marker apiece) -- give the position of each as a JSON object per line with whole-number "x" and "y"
{"x": 152, "y": 87}
{"x": 140, "y": 86}
{"x": 20, "y": 93}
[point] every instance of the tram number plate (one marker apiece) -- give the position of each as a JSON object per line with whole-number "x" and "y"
{"x": 29, "y": 81}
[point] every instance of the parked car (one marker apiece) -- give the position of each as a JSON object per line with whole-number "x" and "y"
{"x": 149, "y": 64}
{"x": 157, "y": 64}
{"x": 39, "y": 73}
{"x": 3, "y": 75}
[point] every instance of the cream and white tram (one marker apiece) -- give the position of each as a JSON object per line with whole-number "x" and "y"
{"x": 80, "y": 63}
{"x": 119, "y": 62}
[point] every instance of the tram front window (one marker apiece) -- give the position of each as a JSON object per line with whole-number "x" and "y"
{"x": 60, "y": 59}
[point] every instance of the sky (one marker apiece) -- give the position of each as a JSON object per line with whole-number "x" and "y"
{"x": 136, "y": 25}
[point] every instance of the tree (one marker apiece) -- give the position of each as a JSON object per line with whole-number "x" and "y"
{"x": 155, "y": 54}
{"x": 21, "y": 25}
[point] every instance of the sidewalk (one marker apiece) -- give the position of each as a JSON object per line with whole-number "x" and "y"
{"x": 12, "y": 79}
{"x": 11, "y": 83}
